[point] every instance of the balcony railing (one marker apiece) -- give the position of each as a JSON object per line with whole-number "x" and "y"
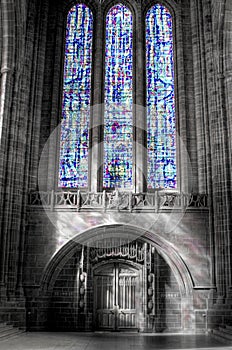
{"x": 117, "y": 201}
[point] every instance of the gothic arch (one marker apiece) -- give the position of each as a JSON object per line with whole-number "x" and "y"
{"x": 92, "y": 4}
{"x": 170, "y": 5}
{"x": 164, "y": 248}
{"x": 108, "y": 4}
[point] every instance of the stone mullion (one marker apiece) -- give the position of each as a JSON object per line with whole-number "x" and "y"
{"x": 139, "y": 111}
{"x": 97, "y": 111}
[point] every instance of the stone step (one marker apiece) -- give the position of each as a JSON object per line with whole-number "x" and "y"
{"x": 229, "y": 328}
{"x": 221, "y": 339}
{"x": 8, "y": 331}
{"x": 226, "y": 330}
{"x": 221, "y": 335}
{"x": 4, "y": 327}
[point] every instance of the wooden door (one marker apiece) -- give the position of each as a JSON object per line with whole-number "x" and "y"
{"x": 116, "y": 297}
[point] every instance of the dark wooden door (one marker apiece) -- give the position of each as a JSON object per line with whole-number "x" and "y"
{"x": 116, "y": 297}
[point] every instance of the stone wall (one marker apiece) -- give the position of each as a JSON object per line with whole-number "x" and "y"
{"x": 64, "y": 313}
{"x": 55, "y": 235}
{"x": 31, "y": 39}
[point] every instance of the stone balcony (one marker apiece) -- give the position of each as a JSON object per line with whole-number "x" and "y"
{"x": 121, "y": 201}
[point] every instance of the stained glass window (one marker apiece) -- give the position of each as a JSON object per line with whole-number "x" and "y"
{"x": 76, "y": 98}
{"x": 118, "y": 137}
{"x": 160, "y": 99}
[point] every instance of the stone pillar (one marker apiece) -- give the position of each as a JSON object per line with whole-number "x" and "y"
{"x": 200, "y": 100}
{"x": 184, "y": 101}
{"x": 205, "y": 107}
{"x": 48, "y": 92}
{"x": 227, "y": 60}
{"x": 7, "y": 68}
{"x": 219, "y": 139}
{"x": 30, "y": 96}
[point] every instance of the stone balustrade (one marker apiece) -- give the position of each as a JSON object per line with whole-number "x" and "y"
{"x": 117, "y": 201}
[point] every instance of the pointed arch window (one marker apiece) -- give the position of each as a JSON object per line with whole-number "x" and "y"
{"x": 119, "y": 153}
{"x": 161, "y": 126}
{"x": 74, "y": 141}
{"x": 118, "y": 100}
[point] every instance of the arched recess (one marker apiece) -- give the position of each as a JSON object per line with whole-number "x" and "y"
{"x": 131, "y": 233}
{"x": 165, "y": 249}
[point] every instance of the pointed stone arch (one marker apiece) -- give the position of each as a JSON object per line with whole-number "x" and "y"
{"x": 166, "y": 250}
{"x": 163, "y": 247}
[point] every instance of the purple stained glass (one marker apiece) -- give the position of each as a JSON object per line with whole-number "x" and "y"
{"x": 161, "y": 131}
{"x": 76, "y": 98}
{"x": 118, "y": 131}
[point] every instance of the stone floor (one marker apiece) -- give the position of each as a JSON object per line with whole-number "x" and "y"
{"x": 109, "y": 341}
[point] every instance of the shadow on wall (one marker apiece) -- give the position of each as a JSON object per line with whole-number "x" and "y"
{"x": 63, "y": 306}
{"x": 168, "y": 300}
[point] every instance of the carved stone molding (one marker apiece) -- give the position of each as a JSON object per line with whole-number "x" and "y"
{"x": 117, "y": 201}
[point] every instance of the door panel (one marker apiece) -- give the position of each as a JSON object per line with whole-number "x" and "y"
{"x": 116, "y": 291}
{"x": 105, "y": 300}
{"x": 127, "y": 299}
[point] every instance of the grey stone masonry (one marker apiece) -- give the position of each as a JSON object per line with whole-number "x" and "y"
{"x": 41, "y": 226}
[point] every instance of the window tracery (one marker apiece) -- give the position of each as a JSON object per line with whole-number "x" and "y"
{"x": 118, "y": 117}
{"x": 118, "y": 99}
{"x": 161, "y": 129}
{"x": 74, "y": 141}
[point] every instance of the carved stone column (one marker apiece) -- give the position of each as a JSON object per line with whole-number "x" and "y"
{"x": 6, "y": 80}
{"x": 221, "y": 155}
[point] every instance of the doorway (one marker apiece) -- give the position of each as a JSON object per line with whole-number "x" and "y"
{"x": 116, "y": 297}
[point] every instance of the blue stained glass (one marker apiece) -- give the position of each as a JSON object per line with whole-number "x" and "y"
{"x": 161, "y": 131}
{"x": 118, "y": 137}
{"x": 76, "y": 98}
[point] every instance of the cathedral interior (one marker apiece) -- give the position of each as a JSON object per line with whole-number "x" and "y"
{"x": 115, "y": 166}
